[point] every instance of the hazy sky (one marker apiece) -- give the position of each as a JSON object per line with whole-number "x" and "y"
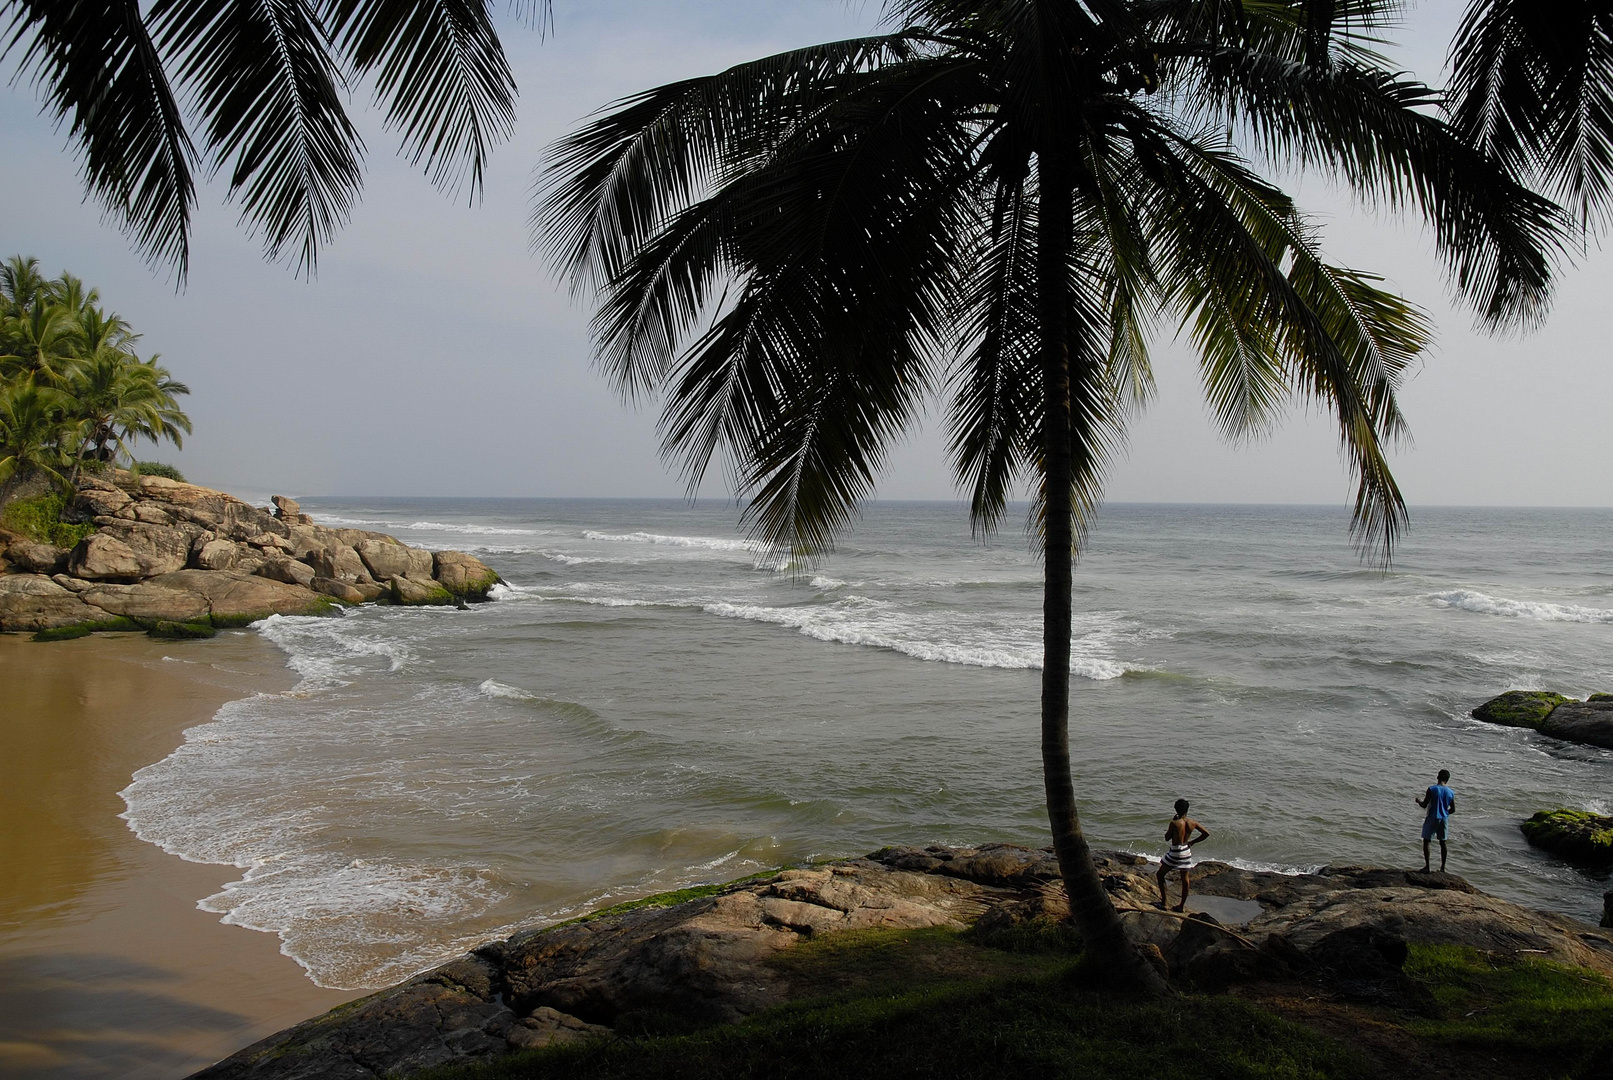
{"x": 434, "y": 355}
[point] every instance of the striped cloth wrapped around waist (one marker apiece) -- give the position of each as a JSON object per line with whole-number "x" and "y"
{"x": 1179, "y": 857}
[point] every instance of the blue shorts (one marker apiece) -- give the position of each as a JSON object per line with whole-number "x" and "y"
{"x": 1434, "y": 827}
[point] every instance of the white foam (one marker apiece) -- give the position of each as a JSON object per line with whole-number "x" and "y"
{"x": 846, "y": 622}
{"x": 491, "y": 688}
{"x": 707, "y": 543}
{"x": 826, "y": 584}
{"x": 469, "y": 528}
{"x": 1485, "y": 604}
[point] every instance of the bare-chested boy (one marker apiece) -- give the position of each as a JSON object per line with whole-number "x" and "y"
{"x": 1180, "y": 834}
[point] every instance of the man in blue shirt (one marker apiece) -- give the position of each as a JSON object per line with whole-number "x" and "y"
{"x": 1441, "y": 803}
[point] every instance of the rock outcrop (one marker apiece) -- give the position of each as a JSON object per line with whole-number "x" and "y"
{"x": 707, "y": 960}
{"x": 191, "y": 557}
{"x": 1589, "y": 721}
{"x": 1576, "y": 835}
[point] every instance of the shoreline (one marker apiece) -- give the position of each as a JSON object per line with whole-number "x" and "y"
{"x": 107, "y": 966}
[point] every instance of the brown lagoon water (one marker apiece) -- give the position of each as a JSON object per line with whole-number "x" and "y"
{"x": 646, "y": 706}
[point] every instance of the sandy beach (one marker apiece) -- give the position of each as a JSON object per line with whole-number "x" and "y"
{"x": 107, "y": 967}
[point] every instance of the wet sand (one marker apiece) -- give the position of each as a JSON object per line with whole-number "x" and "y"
{"x": 107, "y": 967}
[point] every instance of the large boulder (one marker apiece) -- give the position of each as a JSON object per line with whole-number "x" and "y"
{"x": 340, "y": 590}
{"x": 158, "y": 549}
{"x": 463, "y": 575}
{"x": 340, "y": 562}
{"x": 285, "y": 509}
{"x": 1520, "y": 708}
{"x": 103, "y": 557}
{"x": 38, "y": 558}
{"x": 1576, "y": 835}
{"x": 35, "y": 602}
{"x": 392, "y": 559}
{"x": 216, "y": 555}
{"x": 1582, "y": 722}
{"x": 96, "y": 501}
{"x": 148, "y": 602}
{"x": 416, "y": 593}
{"x": 236, "y": 599}
{"x": 290, "y": 571}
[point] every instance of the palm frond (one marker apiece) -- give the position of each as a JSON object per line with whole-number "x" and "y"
{"x": 100, "y": 73}
{"x": 261, "y": 74}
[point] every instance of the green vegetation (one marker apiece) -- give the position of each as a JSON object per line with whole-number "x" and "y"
{"x": 1530, "y": 1008}
{"x": 1576, "y": 835}
{"x": 157, "y": 468}
{"x": 72, "y": 390}
{"x": 40, "y": 519}
{"x": 117, "y": 624}
{"x": 936, "y": 1002}
{"x": 1520, "y": 708}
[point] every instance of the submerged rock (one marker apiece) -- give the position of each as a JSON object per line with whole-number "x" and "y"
{"x": 1520, "y": 708}
{"x": 1589, "y": 722}
{"x": 1576, "y": 835}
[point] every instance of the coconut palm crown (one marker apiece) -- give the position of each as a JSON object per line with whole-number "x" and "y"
{"x": 1004, "y": 203}
{"x": 154, "y": 93}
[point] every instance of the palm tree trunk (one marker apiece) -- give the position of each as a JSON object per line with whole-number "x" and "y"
{"x": 1090, "y": 909}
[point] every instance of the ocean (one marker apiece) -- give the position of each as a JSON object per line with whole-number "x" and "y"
{"x": 651, "y": 702}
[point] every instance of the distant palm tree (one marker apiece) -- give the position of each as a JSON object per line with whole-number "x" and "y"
{"x": 266, "y": 81}
{"x": 41, "y": 343}
{"x": 119, "y": 398}
{"x": 1003, "y": 201}
{"x": 1532, "y": 84}
{"x": 35, "y": 421}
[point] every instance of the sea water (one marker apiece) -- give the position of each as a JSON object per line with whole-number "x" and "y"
{"x": 652, "y": 701}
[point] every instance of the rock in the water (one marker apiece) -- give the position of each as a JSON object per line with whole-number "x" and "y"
{"x": 1582, "y": 722}
{"x": 392, "y": 560}
{"x": 340, "y": 590}
{"x": 1520, "y": 708}
{"x": 463, "y": 575}
{"x": 236, "y": 599}
{"x": 103, "y": 557}
{"x": 290, "y": 571}
{"x": 408, "y": 591}
{"x": 146, "y": 601}
{"x": 1576, "y": 835}
{"x": 35, "y": 602}
{"x": 38, "y": 558}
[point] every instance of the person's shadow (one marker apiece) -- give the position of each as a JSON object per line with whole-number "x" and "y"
{"x": 71, "y": 1016}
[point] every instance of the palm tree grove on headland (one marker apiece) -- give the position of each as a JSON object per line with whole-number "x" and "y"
{"x": 1004, "y": 202}
{"x": 72, "y": 390}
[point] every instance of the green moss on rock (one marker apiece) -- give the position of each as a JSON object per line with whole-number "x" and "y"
{"x": 1576, "y": 835}
{"x": 1520, "y": 708}
{"x": 162, "y": 628}
{"x": 117, "y": 625}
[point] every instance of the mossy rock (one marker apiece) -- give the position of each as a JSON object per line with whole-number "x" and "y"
{"x": 162, "y": 628}
{"x": 1576, "y": 835}
{"x": 118, "y": 625}
{"x": 325, "y": 606}
{"x": 1600, "y": 697}
{"x": 1520, "y": 708}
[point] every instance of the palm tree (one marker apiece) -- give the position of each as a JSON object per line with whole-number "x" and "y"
{"x": 1001, "y": 201}
{"x": 266, "y": 81}
{"x": 42, "y": 343}
{"x": 34, "y": 423}
{"x": 119, "y": 398}
{"x": 1532, "y": 84}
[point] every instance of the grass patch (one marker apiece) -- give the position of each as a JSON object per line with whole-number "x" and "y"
{"x": 1531, "y": 1008}
{"x": 114, "y": 625}
{"x": 668, "y": 899}
{"x": 1044, "y": 1025}
{"x": 40, "y": 519}
{"x": 157, "y": 468}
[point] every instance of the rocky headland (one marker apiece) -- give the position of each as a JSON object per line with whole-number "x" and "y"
{"x": 179, "y": 560}
{"x": 1550, "y": 713}
{"x": 716, "y": 958}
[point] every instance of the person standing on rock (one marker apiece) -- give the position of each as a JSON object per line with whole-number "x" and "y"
{"x": 1180, "y": 835}
{"x": 1441, "y": 803}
